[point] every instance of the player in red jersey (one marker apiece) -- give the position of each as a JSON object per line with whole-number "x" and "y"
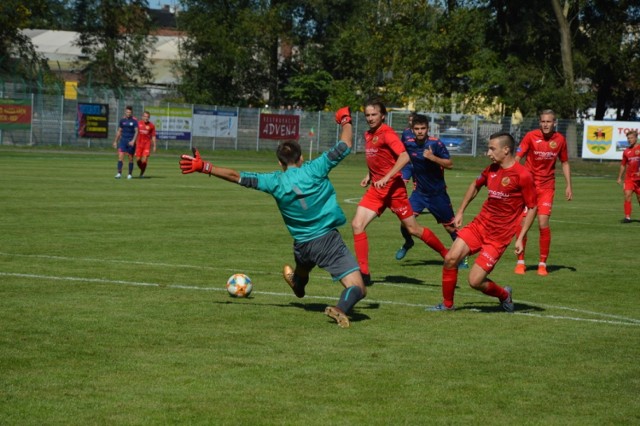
{"x": 511, "y": 189}
{"x": 542, "y": 147}
{"x": 631, "y": 164}
{"x": 386, "y": 156}
{"x": 146, "y": 137}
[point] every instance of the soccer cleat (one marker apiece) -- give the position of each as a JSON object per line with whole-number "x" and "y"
{"x": 287, "y": 274}
{"x": 367, "y": 280}
{"x": 464, "y": 263}
{"x": 626, "y": 220}
{"x": 339, "y": 316}
{"x": 440, "y": 307}
{"x": 520, "y": 269}
{"x": 118, "y": 175}
{"x": 129, "y": 177}
{"x": 542, "y": 270}
{"x": 402, "y": 252}
{"x": 507, "y": 304}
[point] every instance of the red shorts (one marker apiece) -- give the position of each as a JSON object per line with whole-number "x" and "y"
{"x": 632, "y": 185}
{"x": 143, "y": 149}
{"x": 490, "y": 250}
{"x": 545, "y": 201}
{"x": 394, "y": 196}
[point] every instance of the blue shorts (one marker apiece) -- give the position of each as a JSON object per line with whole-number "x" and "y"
{"x": 439, "y": 205}
{"x": 328, "y": 252}
{"x": 124, "y": 146}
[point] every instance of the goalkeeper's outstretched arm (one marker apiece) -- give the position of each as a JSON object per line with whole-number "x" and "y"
{"x": 195, "y": 163}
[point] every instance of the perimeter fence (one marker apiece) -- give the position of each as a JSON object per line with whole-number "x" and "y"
{"x": 55, "y": 122}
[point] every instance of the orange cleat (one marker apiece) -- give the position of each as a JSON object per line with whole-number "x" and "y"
{"x": 542, "y": 270}
{"x": 520, "y": 269}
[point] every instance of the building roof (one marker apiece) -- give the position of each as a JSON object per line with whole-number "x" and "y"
{"x": 63, "y": 55}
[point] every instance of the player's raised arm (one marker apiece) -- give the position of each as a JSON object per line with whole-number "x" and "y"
{"x": 343, "y": 118}
{"x": 195, "y": 163}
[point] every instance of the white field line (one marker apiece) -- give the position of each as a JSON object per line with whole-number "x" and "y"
{"x": 621, "y": 320}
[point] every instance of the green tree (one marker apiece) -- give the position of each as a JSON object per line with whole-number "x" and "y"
{"x": 18, "y": 57}
{"x": 114, "y": 36}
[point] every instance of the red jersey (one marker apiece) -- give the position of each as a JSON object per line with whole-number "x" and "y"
{"x": 541, "y": 156}
{"x": 382, "y": 149}
{"x": 145, "y": 132}
{"x": 510, "y": 191}
{"x": 631, "y": 159}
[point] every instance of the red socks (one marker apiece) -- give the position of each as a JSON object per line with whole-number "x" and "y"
{"x": 361, "y": 246}
{"x": 449, "y": 281}
{"x": 495, "y": 290}
{"x": 434, "y": 242}
{"x": 627, "y": 209}
{"x": 545, "y": 243}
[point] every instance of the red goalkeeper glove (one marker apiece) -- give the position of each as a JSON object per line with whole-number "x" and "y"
{"x": 189, "y": 164}
{"x": 343, "y": 116}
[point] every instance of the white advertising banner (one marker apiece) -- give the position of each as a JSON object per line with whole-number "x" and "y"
{"x": 605, "y": 140}
{"x": 221, "y": 124}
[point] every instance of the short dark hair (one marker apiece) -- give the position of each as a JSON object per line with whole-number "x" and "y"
{"x": 505, "y": 139}
{"x": 375, "y": 102}
{"x": 420, "y": 119}
{"x": 129, "y": 107}
{"x": 289, "y": 152}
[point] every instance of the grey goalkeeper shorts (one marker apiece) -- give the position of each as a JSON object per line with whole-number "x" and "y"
{"x": 329, "y": 252}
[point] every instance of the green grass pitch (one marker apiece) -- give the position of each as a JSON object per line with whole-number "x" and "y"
{"x": 113, "y": 308}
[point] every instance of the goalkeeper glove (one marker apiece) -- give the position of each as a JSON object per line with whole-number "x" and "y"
{"x": 189, "y": 164}
{"x": 343, "y": 116}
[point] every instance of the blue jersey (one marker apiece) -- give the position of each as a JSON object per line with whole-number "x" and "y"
{"x": 128, "y": 127}
{"x": 305, "y": 196}
{"x": 407, "y": 136}
{"x": 428, "y": 175}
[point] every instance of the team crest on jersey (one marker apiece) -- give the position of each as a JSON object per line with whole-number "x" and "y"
{"x": 374, "y": 140}
{"x": 553, "y": 144}
{"x": 505, "y": 181}
{"x": 636, "y": 152}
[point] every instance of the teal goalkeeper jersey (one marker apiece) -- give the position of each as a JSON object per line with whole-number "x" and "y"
{"x": 305, "y": 196}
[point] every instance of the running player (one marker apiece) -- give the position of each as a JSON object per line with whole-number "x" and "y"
{"x": 631, "y": 164}
{"x": 125, "y": 140}
{"x": 429, "y": 158}
{"x": 386, "y": 156}
{"x": 543, "y": 147}
{"x": 146, "y": 137}
{"x": 510, "y": 189}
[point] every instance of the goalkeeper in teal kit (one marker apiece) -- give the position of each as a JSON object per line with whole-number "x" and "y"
{"x": 307, "y": 202}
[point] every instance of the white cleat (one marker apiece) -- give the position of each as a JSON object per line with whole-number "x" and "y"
{"x": 118, "y": 175}
{"x": 129, "y": 177}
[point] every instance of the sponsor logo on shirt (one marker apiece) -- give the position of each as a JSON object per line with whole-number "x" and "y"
{"x": 498, "y": 194}
{"x": 545, "y": 155}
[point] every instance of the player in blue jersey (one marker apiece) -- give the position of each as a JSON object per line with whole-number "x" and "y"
{"x": 308, "y": 204}
{"x": 408, "y": 136}
{"x": 125, "y": 140}
{"x": 429, "y": 158}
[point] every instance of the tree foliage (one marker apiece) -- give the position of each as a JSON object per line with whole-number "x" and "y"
{"x": 114, "y": 38}
{"x": 470, "y": 56}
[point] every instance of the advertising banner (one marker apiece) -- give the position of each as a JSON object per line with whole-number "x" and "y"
{"x": 280, "y": 127}
{"x": 15, "y": 114}
{"x": 215, "y": 124}
{"x": 171, "y": 122}
{"x": 606, "y": 140}
{"x": 93, "y": 121}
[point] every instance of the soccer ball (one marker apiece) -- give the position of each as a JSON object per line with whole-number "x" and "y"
{"x": 239, "y": 285}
